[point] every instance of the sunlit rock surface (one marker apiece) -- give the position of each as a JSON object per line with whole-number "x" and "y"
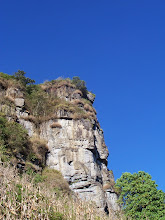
{"x": 76, "y": 146}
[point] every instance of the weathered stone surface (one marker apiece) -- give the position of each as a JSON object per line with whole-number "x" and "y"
{"x": 19, "y": 102}
{"x": 76, "y": 147}
{"x": 79, "y": 152}
{"x": 28, "y": 126}
{"x": 91, "y": 97}
{"x": 63, "y": 92}
{"x": 14, "y": 92}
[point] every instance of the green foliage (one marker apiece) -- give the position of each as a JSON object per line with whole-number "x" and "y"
{"x": 36, "y": 101}
{"x": 38, "y": 178}
{"x": 55, "y": 215}
{"x": 139, "y": 197}
{"x": 20, "y": 76}
{"x": 19, "y": 193}
{"x": 80, "y": 84}
{"x": 32, "y": 88}
{"x": 42, "y": 106}
{"x": 13, "y": 137}
{"x": 53, "y": 179}
{"x": 6, "y": 76}
{"x": 16, "y": 137}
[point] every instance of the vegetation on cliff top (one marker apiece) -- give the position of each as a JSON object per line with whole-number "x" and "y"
{"x": 43, "y": 104}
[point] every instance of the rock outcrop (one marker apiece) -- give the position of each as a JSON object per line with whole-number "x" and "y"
{"x": 76, "y": 145}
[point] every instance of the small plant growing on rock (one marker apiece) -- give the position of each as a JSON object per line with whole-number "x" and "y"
{"x": 55, "y": 125}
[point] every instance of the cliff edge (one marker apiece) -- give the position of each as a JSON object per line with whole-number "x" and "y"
{"x": 61, "y": 113}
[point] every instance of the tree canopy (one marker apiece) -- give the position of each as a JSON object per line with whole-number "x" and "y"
{"x": 80, "y": 84}
{"x": 20, "y": 76}
{"x": 139, "y": 197}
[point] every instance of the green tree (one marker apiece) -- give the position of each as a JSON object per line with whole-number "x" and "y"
{"x": 139, "y": 197}
{"x": 20, "y": 76}
{"x": 80, "y": 84}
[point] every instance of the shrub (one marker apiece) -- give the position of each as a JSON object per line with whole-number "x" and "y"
{"x": 89, "y": 108}
{"x": 109, "y": 185}
{"x": 3, "y": 84}
{"x": 55, "y": 125}
{"x": 91, "y": 115}
{"x": 38, "y": 178}
{"x": 78, "y": 102}
{"x": 80, "y": 84}
{"x": 54, "y": 180}
{"x": 39, "y": 150}
{"x": 36, "y": 101}
{"x": 14, "y": 136}
{"x": 20, "y": 76}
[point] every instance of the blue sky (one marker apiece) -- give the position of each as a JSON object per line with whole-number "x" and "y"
{"x": 118, "y": 48}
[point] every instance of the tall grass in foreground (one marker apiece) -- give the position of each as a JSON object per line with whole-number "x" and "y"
{"x": 22, "y": 198}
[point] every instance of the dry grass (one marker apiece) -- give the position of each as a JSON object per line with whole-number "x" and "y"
{"x": 57, "y": 84}
{"x": 78, "y": 91}
{"x": 9, "y": 98}
{"x": 104, "y": 145}
{"x": 66, "y": 82}
{"x": 79, "y": 115}
{"x": 30, "y": 118}
{"x": 39, "y": 148}
{"x": 22, "y": 198}
{"x": 91, "y": 115}
{"x": 7, "y": 82}
{"x": 54, "y": 180}
{"x": 89, "y": 108}
{"x": 109, "y": 185}
{"x": 38, "y": 120}
{"x": 3, "y": 83}
{"x": 77, "y": 102}
{"x": 55, "y": 125}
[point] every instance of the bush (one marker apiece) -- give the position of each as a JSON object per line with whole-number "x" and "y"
{"x": 55, "y": 125}
{"x": 39, "y": 151}
{"x": 6, "y": 76}
{"x": 80, "y": 84}
{"x": 20, "y": 76}
{"x": 13, "y": 136}
{"x": 54, "y": 180}
{"x": 36, "y": 101}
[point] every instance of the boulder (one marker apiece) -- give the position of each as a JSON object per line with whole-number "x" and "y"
{"x": 19, "y": 102}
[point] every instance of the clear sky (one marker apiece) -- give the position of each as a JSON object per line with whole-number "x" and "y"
{"x": 118, "y": 48}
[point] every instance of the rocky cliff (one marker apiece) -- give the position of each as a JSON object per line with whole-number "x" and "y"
{"x": 63, "y": 115}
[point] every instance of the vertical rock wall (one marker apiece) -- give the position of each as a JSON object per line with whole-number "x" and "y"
{"x": 76, "y": 147}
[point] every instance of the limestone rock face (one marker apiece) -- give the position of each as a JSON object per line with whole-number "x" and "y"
{"x": 78, "y": 150}
{"x": 19, "y": 102}
{"x": 91, "y": 97}
{"x": 76, "y": 145}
